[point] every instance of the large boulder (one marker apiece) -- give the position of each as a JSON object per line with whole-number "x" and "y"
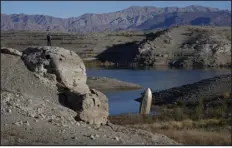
{"x": 91, "y": 107}
{"x": 95, "y": 108}
{"x": 67, "y": 66}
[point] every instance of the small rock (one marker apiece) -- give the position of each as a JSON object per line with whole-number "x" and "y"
{"x": 8, "y": 110}
{"x": 92, "y": 137}
{"x": 27, "y": 123}
{"x": 39, "y": 110}
{"x": 32, "y": 115}
{"x": 97, "y": 136}
{"x": 74, "y": 137}
{"x": 72, "y": 122}
{"x": 78, "y": 124}
{"x": 116, "y": 138}
{"x": 30, "y": 101}
{"x": 18, "y": 123}
{"x": 62, "y": 130}
{"x": 64, "y": 125}
{"x": 43, "y": 116}
{"x": 53, "y": 117}
{"x": 17, "y": 106}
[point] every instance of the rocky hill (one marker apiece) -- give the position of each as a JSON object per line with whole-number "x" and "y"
{"x": 45, "y": 101}
{"x": 132, "y": 18}
{"x": 179, "y": 46}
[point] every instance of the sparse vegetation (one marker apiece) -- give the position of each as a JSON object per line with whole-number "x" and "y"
{"x": 198, "y": 124}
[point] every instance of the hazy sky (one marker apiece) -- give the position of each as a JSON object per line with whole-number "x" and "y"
{"x": 76, "y": 8}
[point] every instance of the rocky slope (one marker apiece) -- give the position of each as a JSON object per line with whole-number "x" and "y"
{"x": 208, "y": 89}
{"x": 187, "y": 46}
{"x": 45, "y": 101}
{"x": 132, "y": 18}
{"x": 178, "y": 46}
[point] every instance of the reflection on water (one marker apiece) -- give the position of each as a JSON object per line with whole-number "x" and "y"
{"x": 157, "y": 79}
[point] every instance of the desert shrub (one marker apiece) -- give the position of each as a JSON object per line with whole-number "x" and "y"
{"x": 180, "y": 103}
{"x": 179, "y": 114}
{"x": 198, "y": 110}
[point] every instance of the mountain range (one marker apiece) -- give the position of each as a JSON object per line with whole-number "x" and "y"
{"x": 132, "y": 18}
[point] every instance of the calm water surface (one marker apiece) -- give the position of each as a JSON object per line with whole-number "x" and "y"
{"x": 121, "y": 102}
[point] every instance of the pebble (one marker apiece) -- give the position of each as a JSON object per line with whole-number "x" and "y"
{"x": 30, "y": 101}
{"x": 39, "y": 110}
{"x": 17, "y": 106}
{"x": 78, "y": 124}
{"x": 18, "y": 123}
{"x": 116, "y": 138}
{"x": 27, "y": 123}
{"x": 8, "y": 110}
{"x": 64, "y": 125}
{"x": 53, "y": 117}
{"x": 92, "y": 137}
{"x": 42, "y": 116}
{"x": 97, "y": 136}
{"x": 74, "y": 137}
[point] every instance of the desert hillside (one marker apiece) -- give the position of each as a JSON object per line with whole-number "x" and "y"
{"x": 179, "y": 46}
{"x": 45, "y": 101}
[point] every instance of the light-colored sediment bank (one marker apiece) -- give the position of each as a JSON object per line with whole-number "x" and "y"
{"x": 103, "y": 83}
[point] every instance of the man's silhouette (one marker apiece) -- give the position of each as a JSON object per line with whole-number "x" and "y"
{"x": 49, "y": 38}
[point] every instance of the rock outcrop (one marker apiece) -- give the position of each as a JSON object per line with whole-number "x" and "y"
{"x": 10, "y": 51}
{"x": 66, "y": 65}
{"x": 151, "y": 51}
{"x": 34, "y": 111}
{"x": 186, "y": 46}
{"x": 146, "y": 102}
{"x": 65, "y": 70}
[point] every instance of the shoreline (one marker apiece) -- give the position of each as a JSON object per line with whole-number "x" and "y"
{"x": 104, "y": 84}
{"x": 191, "y": 93}
{"x": 98, "y": 64}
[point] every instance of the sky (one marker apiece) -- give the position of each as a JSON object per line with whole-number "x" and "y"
{"x": 67, "y": 9}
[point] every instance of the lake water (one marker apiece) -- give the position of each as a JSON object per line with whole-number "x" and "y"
{"x": 121, "y": 102}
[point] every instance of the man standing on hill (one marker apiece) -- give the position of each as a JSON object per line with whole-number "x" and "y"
{"x": 49, "y": 39}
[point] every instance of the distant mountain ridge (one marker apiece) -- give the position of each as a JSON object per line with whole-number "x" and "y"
{"x": 132, "y": 18}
